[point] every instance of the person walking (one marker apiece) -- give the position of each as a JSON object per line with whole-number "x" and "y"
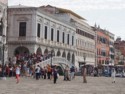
{"x": 37, "y": 71}
{"x": 113, "y": 75}
{"x": 72, "y": 72}
{"x": 17, "y": 74}
{"x": 55, "y": 75}
{"x": 44, "y": 72}
{"x": 84, "y": 74}
{"x": 66, "y": 73}
{"x": 49, "y": 71}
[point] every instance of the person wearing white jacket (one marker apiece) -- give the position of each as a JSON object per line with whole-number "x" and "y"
{"x": 113, "y": 75}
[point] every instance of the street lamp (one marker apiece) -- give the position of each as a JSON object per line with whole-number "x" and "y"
{"x": 84, "y": 57}
{"x": 123, "y": 60}
{"x": 3, "y": 42}
{"x": 52, "y": 54}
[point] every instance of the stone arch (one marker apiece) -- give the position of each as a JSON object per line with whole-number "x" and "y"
{"x": 53, "y": 52}
{"x": 58, "y": 53}
{"x": 46, "y": 51}
{"x": 68, "y": 56}
{"x": 21, "y": 50}
{"x": 64, "y": 54}
{"x": 73, "y": 59}
{"x": 39, "y": 51}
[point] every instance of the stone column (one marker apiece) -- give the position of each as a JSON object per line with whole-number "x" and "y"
{"x": 55, "y": 34}
{"x": 34, "y": 25}
{"x": 49, "y": 31}
{"x": 66, "y": 34}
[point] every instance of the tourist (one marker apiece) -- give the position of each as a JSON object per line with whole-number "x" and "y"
{"x": 72, "y": 72}
{"x": 37, "y": 71}
{"x": 49, "y": 71}
{"x": 18, "y": 73}
{"x": 113, "y": 75}
{"x": 84, "y": 74}
{"x": 44, "y": 72}
{"x": 66, "y": 73}
{"x": 55, "y": 75}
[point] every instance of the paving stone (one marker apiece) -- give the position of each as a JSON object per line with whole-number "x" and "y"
{"x": 95, "y": 85}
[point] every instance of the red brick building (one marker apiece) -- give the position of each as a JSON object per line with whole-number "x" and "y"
{"x": 120, "y": 45}
{"x": 120, "y": 51}
{"x": 102, "y": 46}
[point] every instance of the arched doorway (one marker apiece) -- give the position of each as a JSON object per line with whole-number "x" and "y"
{"x": 21, "y": 50}
{"x": 53, "y": 52}
{"x": 39, "y": 51}
{"x": 64, "y": 55}
{"x": 58, "y": 53}
{"x": 46, "y": 51}
{"x": 60, "y": 70}
{"x": 68, "y": 56}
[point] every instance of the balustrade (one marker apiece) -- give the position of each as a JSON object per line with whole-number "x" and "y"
{"x": 55, "y": 60}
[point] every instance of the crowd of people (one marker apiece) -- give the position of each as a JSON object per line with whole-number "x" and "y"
{"x": 25, "y": 66}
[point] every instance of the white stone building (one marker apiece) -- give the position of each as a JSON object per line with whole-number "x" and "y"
{"x": 32, "y": 30}
{"x": 3, "y": 30}
{"x": 85, "y": 36}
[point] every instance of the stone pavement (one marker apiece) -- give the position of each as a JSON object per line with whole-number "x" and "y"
{"x": 95, "y": 85}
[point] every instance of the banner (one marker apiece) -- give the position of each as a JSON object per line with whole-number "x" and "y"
{"x": 4, "y": 1}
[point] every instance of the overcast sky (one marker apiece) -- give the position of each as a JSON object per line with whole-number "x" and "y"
{"x": 109, "y": 14}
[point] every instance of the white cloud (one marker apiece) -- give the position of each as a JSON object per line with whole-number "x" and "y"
{"x": 75, "y": 4}
{"x": 89, "y": 8}
{"x": 92, "y": 4}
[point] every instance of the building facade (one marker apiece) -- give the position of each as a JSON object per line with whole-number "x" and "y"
{"x": 119, "y": 51}
{"x": 102, "y": 46}
{"x": 32, "y": 30}
{"x": 3, "y": 30}
{"x": 85, "y": 36}
{"x": 111, "y": 48}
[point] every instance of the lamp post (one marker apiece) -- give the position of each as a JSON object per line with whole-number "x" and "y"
{"x": 51, "y": 57}
{"x": 84, "y": 57}
{"x": 123, "y": 60}
{"x": 3, "y": 42}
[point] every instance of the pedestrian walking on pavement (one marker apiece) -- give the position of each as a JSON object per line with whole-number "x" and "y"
{"x": 55, "y": 75}
{"x": 72, "y": 72}
{"x": 17, "y": 73}
{"x": 37, "y": 71}
{"x": 84, "y": 74}
{"x": 113, "y": 75}
{"x": 66, "y": 73}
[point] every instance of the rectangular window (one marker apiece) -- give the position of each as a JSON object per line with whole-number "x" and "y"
{"x": 51, "y": 34}
{"x": 1, "y": 30}
{"x": 57, "y": 35}
{"x": 72, "y": 40}
{"x": 68, "y": 39}
{"x": 63, "y": 40}
{"x": 45, "y": 34}
{"x": 38, "y": 30}
{"x": 22, "y": 29}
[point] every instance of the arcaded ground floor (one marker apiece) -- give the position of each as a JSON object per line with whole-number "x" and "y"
{"x": 95, "y": 85}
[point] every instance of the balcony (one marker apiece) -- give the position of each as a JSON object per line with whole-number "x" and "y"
{"x": 33, "y": 39}
{"x": 21, "y": 39}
